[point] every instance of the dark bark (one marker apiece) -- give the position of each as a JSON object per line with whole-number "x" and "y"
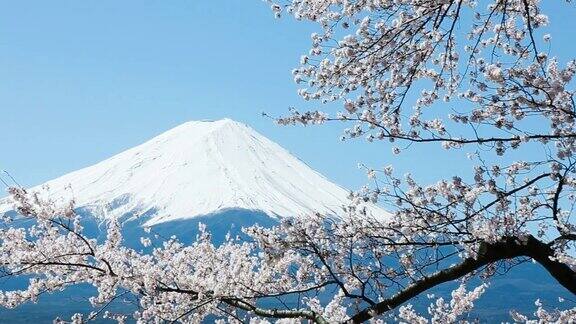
{"x": 542, "y": 253}
{"x": 508, "y": 248}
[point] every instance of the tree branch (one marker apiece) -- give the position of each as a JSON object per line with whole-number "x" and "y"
{"x": 507, "y": 248}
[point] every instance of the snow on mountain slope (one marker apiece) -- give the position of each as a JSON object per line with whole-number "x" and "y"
{"x": 199, "y": 168}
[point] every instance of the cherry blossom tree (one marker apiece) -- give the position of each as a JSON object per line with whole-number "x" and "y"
{"x": 474, "y": 77}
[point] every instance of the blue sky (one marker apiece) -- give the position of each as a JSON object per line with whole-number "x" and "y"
{"x": 83, "y": 80}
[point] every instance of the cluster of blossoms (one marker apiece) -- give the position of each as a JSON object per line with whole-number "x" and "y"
{"x": 402, "y": 52}
{"x": 440, "y": 311}
{"x": 174, "y": 282}
{"x": 312, "y": 268}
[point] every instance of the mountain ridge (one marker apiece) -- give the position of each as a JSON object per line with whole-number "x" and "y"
{"x": 200, "y": 168}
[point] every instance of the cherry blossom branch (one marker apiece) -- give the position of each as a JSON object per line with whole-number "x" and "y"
{"x": 490, "y": 253}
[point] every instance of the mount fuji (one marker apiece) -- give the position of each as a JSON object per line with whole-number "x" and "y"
{"x": 201, "y": 168}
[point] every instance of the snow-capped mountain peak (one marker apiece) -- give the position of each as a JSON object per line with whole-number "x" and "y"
{"x": 200, "y": 168}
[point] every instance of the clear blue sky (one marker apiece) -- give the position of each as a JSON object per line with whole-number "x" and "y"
{"x": 83, "y": 80}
